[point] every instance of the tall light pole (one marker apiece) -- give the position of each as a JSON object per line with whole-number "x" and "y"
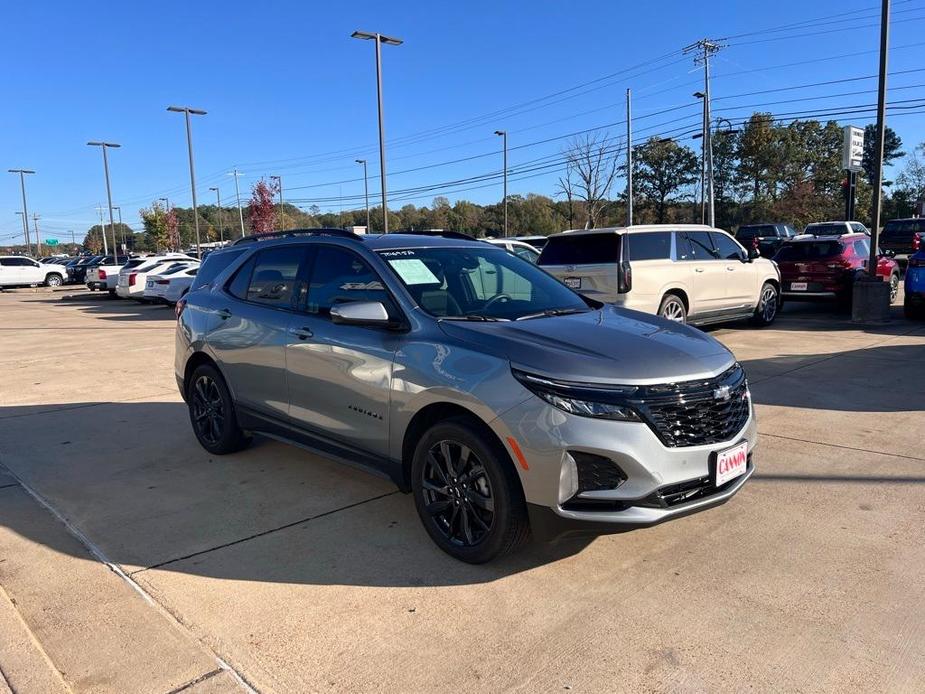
{"x": 25, "y": 233}
{"x": 112, "y": 223}
{"x": 218, "y": 202}
{"x": 121, "y": 227}
{"x": 187, "y": 111}
{"x": 279, "y": 215}
{"x": 390, "y": 41}
{"x": 365, "y": 191}
{"x": 878, "y": 143}
{"x": 503, "y": 135}
{"x": 703, "y": 158}
{"x": 25, "y": 210}
{"x": 237, "y": 191}
{"x": 629, "y": 158}
{"x": 703, "y": 50}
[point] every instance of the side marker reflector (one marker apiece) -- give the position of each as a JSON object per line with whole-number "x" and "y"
{"x": 519, "y": 454}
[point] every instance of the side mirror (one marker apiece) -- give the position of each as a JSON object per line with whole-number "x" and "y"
{"x": 753, "y": 253}
{"x": 361, "y": 313}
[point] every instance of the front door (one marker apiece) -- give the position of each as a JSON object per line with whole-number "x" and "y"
{"x": 340, "y": 375}
{"x": 708, "y": 276}
{"x": 252, "y": 316}
{"x": 740, "y": 275}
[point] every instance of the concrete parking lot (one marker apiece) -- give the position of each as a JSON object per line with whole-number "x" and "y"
{"x": 131, "y": 560}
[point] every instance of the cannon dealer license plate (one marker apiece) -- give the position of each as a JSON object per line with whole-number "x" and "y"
{"x": 731, "y": 463}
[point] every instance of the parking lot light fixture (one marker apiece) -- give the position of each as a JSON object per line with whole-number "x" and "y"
{"x": 112, "y": 223}
{"x": 389, "y": 41}
{"x": 187, "y": 112}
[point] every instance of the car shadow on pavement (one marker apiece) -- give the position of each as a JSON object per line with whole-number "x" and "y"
{"x": 132, "y": 479}
{"x": 101, "y": 305}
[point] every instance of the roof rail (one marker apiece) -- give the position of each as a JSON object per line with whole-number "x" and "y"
{"x": 440, "y": 232}
{"x": 287, "y": 233}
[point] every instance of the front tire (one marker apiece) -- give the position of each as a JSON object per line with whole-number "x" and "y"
{"x": 894, "y": 287}
{"x": 212, "y": 412}
{"x": 467, "y": 493}
{"x": 673, "y": 308}
{"x": 54, "y": 280}
{"x": 768, "y": 305}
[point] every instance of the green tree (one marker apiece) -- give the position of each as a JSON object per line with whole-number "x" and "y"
{"x": 158, "y": 226}
{"x": 662, "y": 169}
{"x": 757, "y": 156}
{"x": 892, "y": 145}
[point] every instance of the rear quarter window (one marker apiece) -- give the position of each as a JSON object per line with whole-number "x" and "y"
{"x": 581, "y": 249}
{"x": 650, "y": 246}
{"x": 212, "y": 266}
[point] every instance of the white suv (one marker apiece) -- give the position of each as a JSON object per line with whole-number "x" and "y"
{"x": 684, "y": 272}
{"x": 17, "y": 270}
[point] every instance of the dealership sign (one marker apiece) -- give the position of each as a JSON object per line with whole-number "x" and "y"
{"x": 852, "y": 148}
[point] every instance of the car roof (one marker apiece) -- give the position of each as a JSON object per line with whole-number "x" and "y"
{"x": 834, "y": 221}
{"x": 637, "y": 228}
{"x": 374, "y": 242}
{"x": 809, "y": 238}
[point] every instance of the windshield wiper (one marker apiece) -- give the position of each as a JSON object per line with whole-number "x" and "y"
{"x": 554, "y": 312}
{"x": 475, "y": 317}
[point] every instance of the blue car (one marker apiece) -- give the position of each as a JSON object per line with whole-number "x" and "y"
{"x": 914, "y": 304}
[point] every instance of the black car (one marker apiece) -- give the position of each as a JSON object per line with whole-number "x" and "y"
{"x": 767, "y": 238}
{"x": 904, "y": 237}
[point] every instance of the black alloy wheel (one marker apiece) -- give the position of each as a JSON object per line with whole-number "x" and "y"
{"x": 212, "y": 413}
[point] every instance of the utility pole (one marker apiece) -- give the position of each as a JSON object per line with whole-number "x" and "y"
{"x": 187, "y": 111}
{"x": 878, "y": 144}
{"x": 237, "y": 192}
{"x": 121, "y": 228}
{"x": 503, "y": 135}
{"x": 703, "y": 158}
{"x": 279, "y": 214}
{"x": 390, "y": 41}
{"x": 629, "y": 158}
{"x": 703, "y": 50}
{"x": 112, "y": 224}
{"x": 365, "y": 191}
{"x": 25, "y": 210}
{"x": 38, "y": 243}
{"x": 218, "y": 202}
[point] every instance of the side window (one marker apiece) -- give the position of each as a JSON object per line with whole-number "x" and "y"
{"x": 237, "y": 287}
{"x": 650, "y": 246}
{"x": 340, "y": 276}
{"x": 6, "y": 262}
{"x": 862, "y": 249}
{"x": 527, "y": 254}
{"x": 726, "y": 247}
{"x": 269, "y": 277}
{"x": 701, "y": 245}
{"x": 683, "y": 249}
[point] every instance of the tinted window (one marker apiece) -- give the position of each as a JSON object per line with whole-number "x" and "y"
{"x": 814, "y": 250}
{"x": 827, "y": 229}
{"x": 581, "y": 249}
{"x": 213, "y": 266}
{"x": 862, "y": 248}
{"x": 240, "y": 281}
{"x": 656, "y": 246}
{"x": 274, "y": 276}
{"x": 341, "y": 276}
{"x": 902, "y": 229}
{"x": 726, "y": 247}
{"x": 747, "y": 233}
{"x": 701, "y": 247}
{"x": 527, "y": 254}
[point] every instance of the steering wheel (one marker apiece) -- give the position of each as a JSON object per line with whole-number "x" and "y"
{"x": 493, "y": 300}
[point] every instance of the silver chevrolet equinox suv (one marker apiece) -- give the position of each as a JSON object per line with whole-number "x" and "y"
{"x": 508, "y": 404}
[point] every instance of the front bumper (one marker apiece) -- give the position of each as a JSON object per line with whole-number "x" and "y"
{"x": 546, "y": 434}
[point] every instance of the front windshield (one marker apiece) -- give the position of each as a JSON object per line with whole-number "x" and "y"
{"x": 480, "y": 284}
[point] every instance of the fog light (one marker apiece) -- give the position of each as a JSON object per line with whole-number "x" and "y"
{"x": 568, "y": 478}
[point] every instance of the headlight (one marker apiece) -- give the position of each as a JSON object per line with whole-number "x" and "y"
{"x": 598, "y": 402}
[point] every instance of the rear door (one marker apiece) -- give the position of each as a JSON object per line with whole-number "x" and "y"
{"x": 709, "y": 276}
{"x": 340, "y": 375}
{"x": 587, "y": 263}
{"x": 250, "y": 319}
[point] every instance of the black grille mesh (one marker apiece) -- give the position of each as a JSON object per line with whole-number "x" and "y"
{"x": 697, "y": 413}
{"x": 596, "y": 473}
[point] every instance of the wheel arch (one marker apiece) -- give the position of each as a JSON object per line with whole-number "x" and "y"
{"x": 679, "y": 292}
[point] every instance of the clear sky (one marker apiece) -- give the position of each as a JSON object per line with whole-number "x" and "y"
{"x": 289, "y": 92}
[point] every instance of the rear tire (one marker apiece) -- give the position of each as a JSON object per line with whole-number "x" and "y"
{"x": 894, "y": 287}
{"x": 673, "y": 309}
{"x": 212, "y": 412}
{"x": 768, "y": 305}
{"x": 467, "y": 493}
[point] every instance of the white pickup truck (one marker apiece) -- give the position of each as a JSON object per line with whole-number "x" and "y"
{"x": 105, "y": 276}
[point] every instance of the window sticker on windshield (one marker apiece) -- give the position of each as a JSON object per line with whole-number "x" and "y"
{"x": 413, "y": 271}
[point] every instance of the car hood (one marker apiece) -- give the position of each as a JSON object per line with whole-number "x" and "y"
{"x": 610, "y": 345}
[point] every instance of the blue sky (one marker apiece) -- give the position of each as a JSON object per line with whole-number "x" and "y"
{"x": 289, "y": 92}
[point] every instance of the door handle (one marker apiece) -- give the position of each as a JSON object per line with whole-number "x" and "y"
{"x": 301, "y": 333}
{"x": 698, "y": 269}
{"x": 223, "y": 313}
{"x": 730, "y": 268}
